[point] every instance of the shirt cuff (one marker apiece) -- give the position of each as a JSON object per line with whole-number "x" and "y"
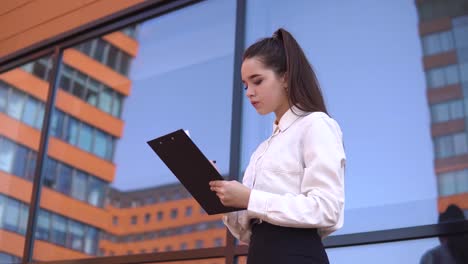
{"x": 258, "y": 204}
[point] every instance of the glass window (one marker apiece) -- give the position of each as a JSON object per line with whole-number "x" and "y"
{"x": 147, "y": 218}
{"x": 15, "y": 104}
{"x": 72, "y": 130}
{"x": 3, "y": 201}
{"x": 3, "y": 96}
{"x": 21, "y": 158}
{"x": 440, "y": 112}
{"x": 116, "y": 105}
{"x": 64, "y": 179}
{"x": 79, "y": 184}
{"x": 456, "y": 109}
{"x": 110, "y": 147}
{"x": 65, "y": 80}
{"x": 30, "y": 111}
{"x": 91, "y": 241}
{"x": 86, "y": 137}
{"x": 160, "y": 215}
{"x": 461, "y": 36}
{"x": 125, "y": 61}
{"x": 50, "y": 177}
{"x": 460, "y": 144}
{"x": 431, "y": 44}
{"x": 188, "y": 211}
{"x": 93, "y": 90}
{"x": 446, "y": 41}
{"x": 12, "y": 213}
{"x": 446, "y": 184}
{"x": 40, "y": 116}
{"x": 100, "y": 144}
{"x": 99, "y": 52}
{"x": 105, "y": 100}
{"x": 464, "y": 72}
{"x": 6, "y": 258}
{"x": 451, "y": 74}
{"x": 134, "y": 220}
{"x": 461, "y": 180}
{"x": 43, "y": 225}
{"x": 97, "y": 189}
{"x": 112, "y": 57}
{"x": 23, "y": 221}
{"x": 444, "y": 146}
{"x": 199, "y": 243}
{"x": 59, "y": 230}
{"x": 76, "y": 235}
{"x": 56, "y": 125}
{"x": 31, "y": 165}
{"x": 7, "y": 152}
{"x": 435, "y": 78}
{"x": 40, "y": 70}
{"x": 174, "y": 213}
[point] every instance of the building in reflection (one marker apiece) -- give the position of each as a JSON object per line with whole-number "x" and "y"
{"x": 443, "y": 28}
{"x": 74, "y": 220}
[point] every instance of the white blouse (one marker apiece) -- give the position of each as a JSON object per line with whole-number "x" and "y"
{"x": 296, "y": 177}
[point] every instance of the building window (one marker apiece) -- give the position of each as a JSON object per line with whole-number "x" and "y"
{"x": 115, "y": 220}
{"x": 188, "y": 211}
{"x": 75, "y": 236}
{"x": 437, "y": 43}
{"x": 160, "y": 215}
{"x": 16, "y": 101}
{"x": 168, "y": 248}
{"x": 454, "y": 182}
{"x": 7, "y": 152}
{"x": 450, "y": 145}
{"x": 59, "y": 230}
{"x": 174, "y": 213}
{"x": 134, "y": 220}
{"x": 64, "y": 179}
{"x": 442, "y": 76}
{"x": 43, "y": 225}
{"x": 79, "y": 185}
{"x": 198, "y": 243}
{"x": 218, "y": 242}
{"x": 446, "y": 111}
{"x": 147, "y": 218}
{"x": 3, "y": 96}
{"x": 183, "y": 246}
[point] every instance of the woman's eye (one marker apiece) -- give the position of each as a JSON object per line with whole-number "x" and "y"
{"x": 245, "y": 87}
{"x": 258, "y": 82}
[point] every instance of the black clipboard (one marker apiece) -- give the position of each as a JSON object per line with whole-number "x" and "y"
{"x": 191, "y": 167}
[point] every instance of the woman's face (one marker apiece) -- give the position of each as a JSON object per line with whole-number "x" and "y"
{"x": 265, "y": 89}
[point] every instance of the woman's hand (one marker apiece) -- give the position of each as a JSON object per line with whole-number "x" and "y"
{"x": 231, "y": 193}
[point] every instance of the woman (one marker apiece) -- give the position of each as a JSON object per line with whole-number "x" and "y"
{"x": 293, "y": 187}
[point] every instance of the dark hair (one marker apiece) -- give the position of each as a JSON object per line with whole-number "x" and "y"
{"x": 285, "y": 57}
{"x": 457, "y": 244}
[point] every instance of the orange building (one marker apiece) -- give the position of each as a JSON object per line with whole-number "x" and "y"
{"x": 75, "y": 221}
{"x": 443, "y": 27}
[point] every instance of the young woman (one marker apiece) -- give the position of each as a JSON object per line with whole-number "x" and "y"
{"x": 293, "y": 187}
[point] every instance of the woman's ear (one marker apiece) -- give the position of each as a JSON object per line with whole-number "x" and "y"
{"x": 284, "y": 80}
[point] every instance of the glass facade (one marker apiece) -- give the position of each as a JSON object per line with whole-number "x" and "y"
{"x": 105, "y": 193}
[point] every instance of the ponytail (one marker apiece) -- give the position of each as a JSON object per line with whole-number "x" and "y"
{"x": 285, "y": 57}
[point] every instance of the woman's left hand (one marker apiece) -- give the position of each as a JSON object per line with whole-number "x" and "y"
{"x": 231, "y": 193}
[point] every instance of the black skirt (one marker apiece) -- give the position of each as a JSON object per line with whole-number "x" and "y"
{"x": 271, "y": 244}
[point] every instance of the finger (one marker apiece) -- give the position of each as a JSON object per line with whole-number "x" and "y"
{"x": 216, "y": 183}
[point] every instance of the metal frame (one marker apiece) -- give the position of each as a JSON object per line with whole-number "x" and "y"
{"x": 41, "y": 157}
{"x": 136, "y": 14}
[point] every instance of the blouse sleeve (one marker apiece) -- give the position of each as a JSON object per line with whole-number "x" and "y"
{"x": 320, "y": 203}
